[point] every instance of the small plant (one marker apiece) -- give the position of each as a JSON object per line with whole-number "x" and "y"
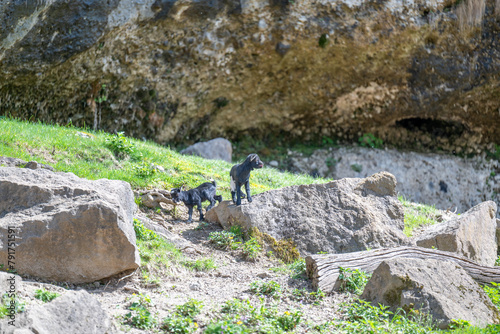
{"x": 178, "y": 325}
{"x": 357, "y": 168}
{"x": 221, "y": 102}
{"x": 251, "y": 248}
{"x": 271, "y": 288}
{"x": 304, "y": 296}
{"x": 120, "y": 144}
{"x": 289, "y": 321}
{"x": 200, "y": 265}
{"x": 323, "y": 40}
{"x": 139, "y": 315}
{"x": 10, "y": 304}
{"x": 142, "y": 233}
{"x": 353, "y": 280}
{"x": 190, "y": 309}
{"x": 222, "y": 239}
{"x": 46, "y": 296}
{"x": 145, "y": 169}
{"x": 227, "y": 327}
{"x": 298, "y": 268}
{"x": 493, "y": 291}
{"x": 369, "y": 140}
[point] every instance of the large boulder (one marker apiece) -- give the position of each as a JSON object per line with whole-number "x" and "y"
{"x": 215, "y": 149}
{"x": 67, "y": 228}
{"x": 75, "y": 312}
{"x": 442, "y": 289}
{"x": 472, "y": 234}
{"x": 341, "y": 216}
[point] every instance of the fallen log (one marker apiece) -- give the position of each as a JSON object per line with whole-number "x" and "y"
{"x": 323, "y": 269}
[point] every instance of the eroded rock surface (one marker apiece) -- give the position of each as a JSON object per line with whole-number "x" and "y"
{"x": 67, "y": 229}
{"x": 472, "y": 234}
{"x": 347, "y": 215}
{"x": 442, "y": 289}
{"x": 183, "y": 71}
{"x": 448, "y": 182}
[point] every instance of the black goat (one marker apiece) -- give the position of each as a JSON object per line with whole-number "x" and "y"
{"x": 240, "y": 174}
{"x": 202, "y": 193}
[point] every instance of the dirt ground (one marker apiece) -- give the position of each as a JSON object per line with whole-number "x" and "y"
{"x": 230, "y": 279}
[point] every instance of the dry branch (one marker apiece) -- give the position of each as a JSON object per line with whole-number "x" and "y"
{"x": 323, "y": 269}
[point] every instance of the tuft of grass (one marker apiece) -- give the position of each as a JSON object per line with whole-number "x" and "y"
{"x": 200, "y": 265}
{"x": 46, "y": 296}
{"x": 417, "y": 215}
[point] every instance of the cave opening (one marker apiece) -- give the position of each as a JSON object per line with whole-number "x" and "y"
{"x": 433, "y": 127}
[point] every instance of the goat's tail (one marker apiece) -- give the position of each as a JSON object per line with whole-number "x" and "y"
{"x": 214, "y": 183}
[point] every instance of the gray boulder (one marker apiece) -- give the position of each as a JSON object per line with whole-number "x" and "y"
{"x": 442, "y": 289}
{"x": 472, "y": 234}
{"x": 215, "y": 149}
{"x": 341, "y": 216}
{"x": 75, "y": 312}
{"x": 67, "y": 228}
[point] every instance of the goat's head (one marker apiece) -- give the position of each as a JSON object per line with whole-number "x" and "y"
{"x": 174, "y": 194}
{"x": 255, "y": 161}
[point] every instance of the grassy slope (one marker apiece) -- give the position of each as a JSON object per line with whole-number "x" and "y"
{"x": 95, "y": 158}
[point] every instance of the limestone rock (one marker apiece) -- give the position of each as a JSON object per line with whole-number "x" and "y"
{"x": 448, "y": 182}
{"x": 67, "y": 228}
{"x": 75, "y": 312}
{"x": 215, "y": 149}
{"x": 341, "y": 216}
{"x": 472, "y": 234}
{"x": 441, "y": 288}
{"x": 498, "y": 232}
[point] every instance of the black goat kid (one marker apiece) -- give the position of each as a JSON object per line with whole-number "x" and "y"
{"x": 202, "y": 193}
{"x": 240, "y": 175}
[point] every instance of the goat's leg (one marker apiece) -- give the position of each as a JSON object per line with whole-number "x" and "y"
{"x": 199, "y": 207}
{"x": 247, "y": 189}
{"x": 190, "y": 212}
{"x": 233, "y": 196}
{"x": 238, "y": 194}
{"x": 212, "y": 203}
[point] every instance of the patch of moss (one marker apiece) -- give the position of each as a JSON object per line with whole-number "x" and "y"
{"x": 285, "y": 250}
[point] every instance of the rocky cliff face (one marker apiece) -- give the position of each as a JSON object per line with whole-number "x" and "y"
{"x": 186, "y": 70}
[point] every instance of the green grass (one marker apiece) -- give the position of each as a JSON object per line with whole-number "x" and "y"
{"x": 417, "y": 215}
{"x": 103, "y": 155}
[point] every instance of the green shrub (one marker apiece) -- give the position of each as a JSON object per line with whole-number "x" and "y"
{"x": 493, "y": 291}
{"x": 271, "y": 288}
{"x": 298, "y": 268}
{"x": 139, "y": 315}
{"x": 200, "y": 265}
{"x": 6, "y": 303}
{"x": 369, "y": 140}
{"x": 251, "y": 248}
{"x": 289, "y": 321}
{"x": 222, "y": 239}
{"x": 227, "y": 327}
{"x": 120, "y": 145}
{"x": 190, "y": 309}
{"x": 353, "y": 280}
{"x": 46, "y": 296}
{"x": 142, "y": 233}
{"x": 176, "y": 324}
